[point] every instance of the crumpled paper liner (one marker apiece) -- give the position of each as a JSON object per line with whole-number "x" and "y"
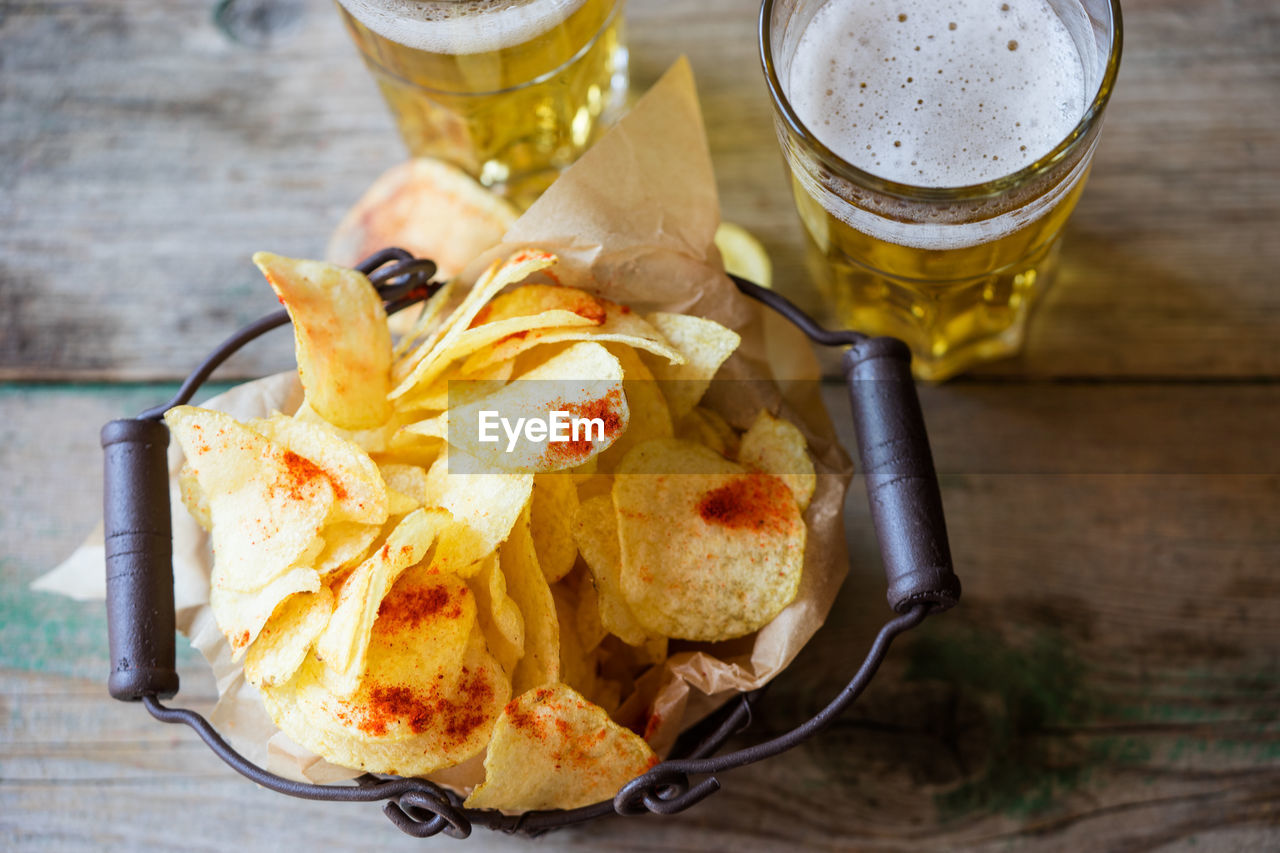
{"x": 633, "y": 220}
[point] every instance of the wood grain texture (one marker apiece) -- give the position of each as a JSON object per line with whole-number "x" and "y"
{"x": 145, "y": 156}
{"x": 1110, "y": 681}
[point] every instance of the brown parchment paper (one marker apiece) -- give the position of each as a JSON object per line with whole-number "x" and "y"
{"x": 634, "y": 220}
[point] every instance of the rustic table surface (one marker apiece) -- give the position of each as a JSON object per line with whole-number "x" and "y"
{"x": 1112, "y": 677}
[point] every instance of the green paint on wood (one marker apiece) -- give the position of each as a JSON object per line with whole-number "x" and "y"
{"x": 48, "y": 633}
{"x": 1125, "y": 751}
{"x": 1025, "y": 691}
{"x": 1046, "y": 724}
{"x": 42, "y": 631}
{"x": 132, "y": 396}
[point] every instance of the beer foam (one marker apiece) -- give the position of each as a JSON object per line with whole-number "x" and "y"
{"x": 460, "y": 26}
{"x": 938, "y": 93}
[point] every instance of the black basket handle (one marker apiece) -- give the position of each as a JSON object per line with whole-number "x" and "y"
{"x": 893, "y": 448}
{"x": 138, "y": 540}
{"x": 906, "y": 504}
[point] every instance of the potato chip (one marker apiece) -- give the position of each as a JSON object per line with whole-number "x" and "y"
{"x": 374, "y": 440}
{"x": 692, "y": 427}
{"x": 460, "y": 550}
{"x": 427, "y": 338}
{"x": 652, "y": 652}
{"x": 407, "y": 723}
{"x": 425, "y": 701}
{"x": 342, "y": 342}
{"x": 650, "y": 417}
{"x": 510, "y": 315}
{"x": 266, "y": 504}
{"x": 483, "y": 508}
{"x": 483, "y": 338}
{"x": 399, "y": 503}
{"x": 594, "y": 485}
{"x": 716, "y": 421}
{"x": 528, "y": 587}
{"x": 359, "y": 493}
{"x": 625, "y": 664}
{"x": 555, "y": 499}
{"x": 284, "y": 641}
{"x": 742, "y": 254}
{"x": 709, "y": 550}
{"x": 530, "y": 299}
{"x": 241, "y": 615}
{"x": 591, "y": 630}
{"x": 343, "y": 644}
{"x": 409, "y": 449}
{"x": 449, "y": 389}
{"x": 552, "y": 749}
{"x": 428, "y": 207}
{"x": 499, "y": 617}
{"x": 608, "y": 696}
{"x": 425, "y": 360}
{"x": 436, "y": 427}
{"x": 409, "y": 480}
{"x": 776, "y": 446}
{"x": 537, "y": 356}
{"x": 345, "y": 544}
{"x": 595, "y": 530}
{"x": 429, "y": 323}
{"x": 705, "y": 426}
{"x": 193, "y": 497}
{"x": 582, "y": 387}
{"x": 620, "y": 326}
{"x": 580, "y": 636}
{"x": 705, "y": 345}
{"x": 443, "y": 601}
{"x": 577, "y": 665}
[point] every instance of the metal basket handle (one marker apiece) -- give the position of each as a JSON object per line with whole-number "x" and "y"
{"x": 906, "y": 508}
{"x": 893, "y": 447}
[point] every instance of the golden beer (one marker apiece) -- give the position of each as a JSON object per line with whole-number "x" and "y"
{"x": 932, "y": 164}
{"x": 510, "y": 91}
{"x": 955, "y": 306}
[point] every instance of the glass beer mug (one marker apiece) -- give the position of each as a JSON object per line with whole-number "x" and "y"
{"x": 512, "y": 91}
{"x": 936, "y": 148}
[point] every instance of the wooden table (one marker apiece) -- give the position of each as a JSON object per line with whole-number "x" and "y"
{"x": 1112, "y": 677}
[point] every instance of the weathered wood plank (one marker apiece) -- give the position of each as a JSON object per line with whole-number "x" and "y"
{"x": 1110, "y": 681}
{"x": 150, "y": 156}
{"x": 1168, "y": 266}
{"x": 147, "y": 156}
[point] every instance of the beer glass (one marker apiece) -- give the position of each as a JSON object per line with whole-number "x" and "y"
{"x": 512, "y": 91}
{"x": 938, "y": 221}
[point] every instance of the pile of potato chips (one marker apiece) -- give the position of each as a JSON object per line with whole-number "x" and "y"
{"x": 407, "y": 597}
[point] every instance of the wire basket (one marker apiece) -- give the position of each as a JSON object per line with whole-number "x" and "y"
{"x": 906, "y": 509}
